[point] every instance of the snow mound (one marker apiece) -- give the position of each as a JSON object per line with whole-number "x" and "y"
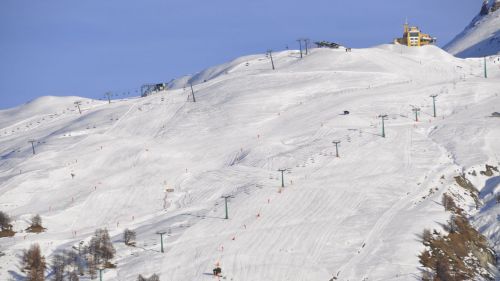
{"x": 40, "y": 106}
{"x": 211, "y": 72}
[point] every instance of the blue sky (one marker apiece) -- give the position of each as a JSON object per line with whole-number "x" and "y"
{"x": 85, "y": 48}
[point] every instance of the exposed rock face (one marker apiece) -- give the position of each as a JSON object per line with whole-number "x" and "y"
{"x": 484, "y": 9}
{"x": 496, "y": 6}
{"x": 481, "y": 37}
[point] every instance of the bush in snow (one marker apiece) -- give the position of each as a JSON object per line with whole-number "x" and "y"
{"x": 5, "y": 226}
{"x": 153, "y": 277}
{"x": 36, "y": 220}
{"x": 4, "y": 221}
{"x": 426, "y": 237}
{"x": 449, "y": 203}
{"x": 129, "y": 237}
{"x": 36, "y": 224}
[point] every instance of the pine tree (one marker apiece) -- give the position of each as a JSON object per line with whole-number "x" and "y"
{"x": 154, "y": 277}
{"x": 34, "y": 263}
{"x": 4, "y": 221}
{"x": 101, "y": 247}
{"x": 36, "y": 221}
{"x": 58, "y": 266}
{"x": 92, "y": 268}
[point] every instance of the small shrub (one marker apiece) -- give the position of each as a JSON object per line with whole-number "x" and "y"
{"x": 129, "y": 237}
{"x": 5, "y": 221}
{"x": 36, "y": 224}
{"x": 426, "y": 237}
{"x": 36, "y": 220}
{"x": 448, "y": 203}
{"x": 153, "y": 277}
{"x": 5, "y": 226}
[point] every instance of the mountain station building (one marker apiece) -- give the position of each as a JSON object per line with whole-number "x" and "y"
{"x": 413, "y": 37}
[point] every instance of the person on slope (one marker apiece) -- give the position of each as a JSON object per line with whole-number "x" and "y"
{"x": 217, "y": 270}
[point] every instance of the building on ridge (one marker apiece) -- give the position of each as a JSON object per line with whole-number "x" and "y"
{"x": 413, "y": 37}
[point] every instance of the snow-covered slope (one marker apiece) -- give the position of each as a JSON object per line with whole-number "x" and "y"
{"x": 357, "y": 216}
{"x": 480, "y": 38}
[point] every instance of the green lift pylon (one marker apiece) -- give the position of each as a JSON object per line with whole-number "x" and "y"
{"x": 434, "y": 103}
{"x": 226, "y": 197}
{"x": 383, "y": 117}
{"x": 485, "y": 69}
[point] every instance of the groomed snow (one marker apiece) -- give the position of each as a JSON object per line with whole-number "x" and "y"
{"x": 357, "y": 217}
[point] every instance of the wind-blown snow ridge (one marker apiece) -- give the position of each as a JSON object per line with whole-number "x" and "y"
{"x": 355, "y": 217}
